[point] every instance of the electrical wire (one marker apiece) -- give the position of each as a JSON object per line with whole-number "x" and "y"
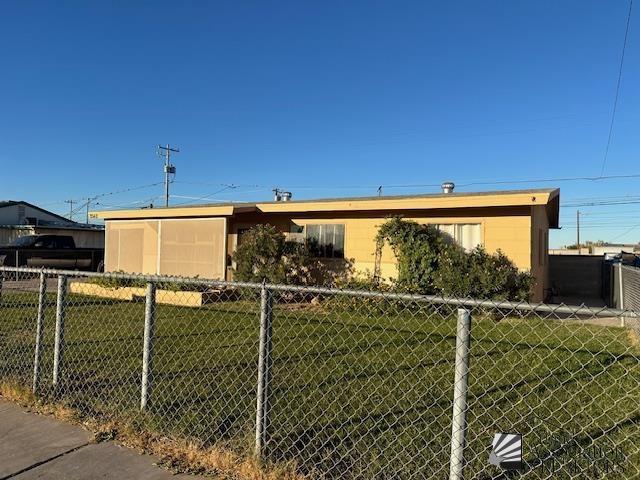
{"x": 615, "y": 101}
{"x": 437, "y": 185}
{"x": 625, "y": 233}
{"x": 227, "y": 187}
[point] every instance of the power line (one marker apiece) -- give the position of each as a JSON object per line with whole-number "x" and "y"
{"x": 437, "y": 185}
{"x": 226, "y": 187}
{"x": 125, "y": 204}
{"x": 599, "y": 204}
{"x": 625, "y": 233}
{"x": 618, "y": 214}
{"x": 615, "y": 100}
{"x": 124, "y": 190}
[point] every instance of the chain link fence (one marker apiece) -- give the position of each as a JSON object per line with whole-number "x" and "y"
{"x": 340, "y": 384}
{"x": 630, "y": 287}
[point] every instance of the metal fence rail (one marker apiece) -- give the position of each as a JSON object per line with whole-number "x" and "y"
{"x": 341, "y": 383}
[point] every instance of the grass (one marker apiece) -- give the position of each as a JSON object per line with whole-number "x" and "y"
{"x": 356, "y": 392}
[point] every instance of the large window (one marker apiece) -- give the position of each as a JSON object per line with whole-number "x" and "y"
{"x": 467, "y": 235}
{"x": 326, "y": 241}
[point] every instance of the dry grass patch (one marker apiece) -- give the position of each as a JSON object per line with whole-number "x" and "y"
{"x": 177, "y": 455}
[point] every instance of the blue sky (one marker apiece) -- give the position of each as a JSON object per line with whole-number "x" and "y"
{"x": 323, "y": 98}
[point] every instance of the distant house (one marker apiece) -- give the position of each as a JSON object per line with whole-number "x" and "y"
{"x": 22, "y": 213}
{"x": 199, "y": 240}
{"x": 19, "y": 218}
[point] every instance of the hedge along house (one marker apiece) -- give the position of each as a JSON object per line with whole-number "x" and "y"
{"x": 200, "y": 240}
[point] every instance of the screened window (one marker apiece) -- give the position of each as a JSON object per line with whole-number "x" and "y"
{"x": 326, "y": 241}
{"x": 467, "y": 235}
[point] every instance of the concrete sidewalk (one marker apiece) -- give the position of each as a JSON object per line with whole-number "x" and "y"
{"x": 36, "y": 446}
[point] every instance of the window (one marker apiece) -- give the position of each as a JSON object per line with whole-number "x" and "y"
{"x": 65, "y": 242}
{"x": 467, "y": 235}
{"x": 326, "y": 241}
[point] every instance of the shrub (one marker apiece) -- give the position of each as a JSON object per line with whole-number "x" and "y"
{"x": 265, "y": 254}
{"x": 362, "y": 305}
{"x": 479, "y": 274}
{"x": 113, "y": 282}
{"x": 429, "y": 263}
{"x": 418, "y": 249}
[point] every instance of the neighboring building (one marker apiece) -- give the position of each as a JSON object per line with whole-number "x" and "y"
{"x": 18, "y": 218}
{"x": 199, "y": 240}
{"x": 84, "y": 236}
{"x": 597, "y": 250}
{"x": 22, "y": 213}
{"x": 614, "y": 249}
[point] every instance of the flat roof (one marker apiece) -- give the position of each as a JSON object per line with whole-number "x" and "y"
{"x": 500, "y": 198}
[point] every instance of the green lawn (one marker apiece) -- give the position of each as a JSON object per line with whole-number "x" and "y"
{"x": 356, "y": 393}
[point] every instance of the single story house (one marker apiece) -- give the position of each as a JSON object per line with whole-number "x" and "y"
{"x": 200, "y": 239}
{"x": 19, "y": 218}
{"x": 19, "y": 212}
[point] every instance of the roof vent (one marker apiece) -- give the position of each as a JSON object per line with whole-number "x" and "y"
{"x": 447, "y": 187}
{"x": 281, "y": 195}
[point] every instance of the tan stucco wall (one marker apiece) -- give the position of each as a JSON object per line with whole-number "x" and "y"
{"x": 539, "y": 251}
{"x": 510, "y": 231}
{"x": 510, "y": 234}
{"x": 191, "y": 247}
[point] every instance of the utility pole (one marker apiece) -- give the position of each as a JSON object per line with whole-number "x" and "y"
{"x": 165, "y": 152}
{"x": 578, "y": 231}
{"x": 88, "y": 203}
{"x": 70, "y": 202}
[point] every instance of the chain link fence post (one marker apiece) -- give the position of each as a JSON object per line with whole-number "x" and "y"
{"x": 460, "y": 391}
{"x": 264, "y": 370}
{"x": 58, "y": 345}
{"x": 42, "y": 296}
{"x": 147, "y": 349}
{"x": 621, "y": 304}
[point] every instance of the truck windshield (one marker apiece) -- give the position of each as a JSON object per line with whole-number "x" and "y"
{"x": 27, "y": 241}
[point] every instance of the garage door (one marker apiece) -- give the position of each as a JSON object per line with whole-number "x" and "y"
{"x": 192, "y": 248}
{"x": 187, "y": 248}
{"x": 131, "y": 246}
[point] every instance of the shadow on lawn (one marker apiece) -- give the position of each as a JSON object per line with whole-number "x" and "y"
{"x": 310, "y": 444}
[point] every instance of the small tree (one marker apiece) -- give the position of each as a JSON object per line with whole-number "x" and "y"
{"x": 259, "y": 256}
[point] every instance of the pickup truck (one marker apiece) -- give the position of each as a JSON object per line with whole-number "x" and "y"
{"x": 50, "y": 251}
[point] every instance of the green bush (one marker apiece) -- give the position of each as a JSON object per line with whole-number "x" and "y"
{"x": 418, "y": 249}
{"x": 265, "y": 254}
{"x": 113, "y": 282}
{"x": 430, "y": 264}
{"x": 479, "y": 274}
